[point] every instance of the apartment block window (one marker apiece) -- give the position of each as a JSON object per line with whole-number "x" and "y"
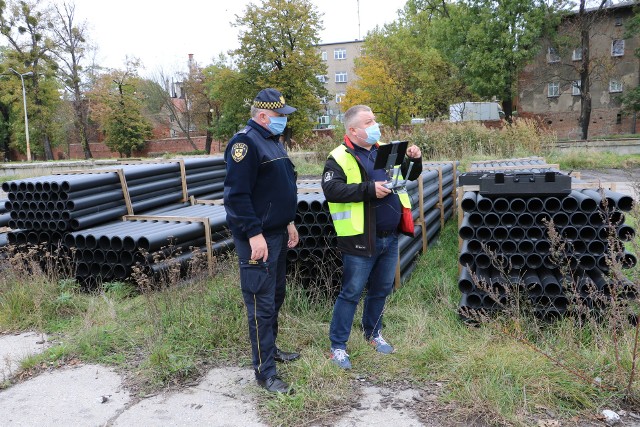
{"x": 339, "y": 97}
{"x": 617, "y": 48}
{"x": 323, "y": 100}
{"x": 324, "y": 55}
{"x": 553, "y": 89}
{"x": 341, "y": 77}
{"x": 324, "y": 120}
{"x": 321, "y": 78}
{"x": 552, "y": 55}
{"x": 340, "y": 54}
{"x": 575, "y": 87}
{"x": 618, "y": 21}
{"x": 615, "y": 86}
{"x": 577, "y": 54}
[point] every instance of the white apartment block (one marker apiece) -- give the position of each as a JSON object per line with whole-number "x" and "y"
{"x": 339, "y": 58}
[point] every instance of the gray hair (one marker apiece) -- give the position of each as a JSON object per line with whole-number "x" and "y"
{"x": 351, "y": 113}
{"x": 255, "y": 111}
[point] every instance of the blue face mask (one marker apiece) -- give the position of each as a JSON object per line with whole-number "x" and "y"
{"x": 277, "y": 125}
{"x": 373, "y": 134}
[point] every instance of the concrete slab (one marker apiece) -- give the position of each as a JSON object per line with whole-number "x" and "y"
{"x": 87, "y": 395}
{"x": 224, "y": 398}
{"x": 379, "y": 407}
{"x": 14, "y": 348}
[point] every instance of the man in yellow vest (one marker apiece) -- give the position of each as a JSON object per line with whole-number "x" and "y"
{"x": 367, "y": 217}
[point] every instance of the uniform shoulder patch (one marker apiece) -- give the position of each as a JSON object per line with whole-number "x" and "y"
{"x": 239, "y": 151}
{"x": 328, "y": 176}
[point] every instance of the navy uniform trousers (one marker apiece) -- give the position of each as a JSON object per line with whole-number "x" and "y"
{"x": 263, "y": 290}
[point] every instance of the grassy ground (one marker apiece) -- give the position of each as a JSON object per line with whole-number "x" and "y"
{"x": 504, "y": 371}
{"x": 175, "y": 334}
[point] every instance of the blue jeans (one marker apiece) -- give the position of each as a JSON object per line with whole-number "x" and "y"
{"x": 377, "y": 273}
{"x": 263, "y": 290}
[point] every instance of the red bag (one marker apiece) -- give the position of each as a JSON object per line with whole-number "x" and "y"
{"x": 406, "y": 222}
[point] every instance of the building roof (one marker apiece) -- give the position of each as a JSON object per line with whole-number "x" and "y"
{"x": 347, "y": 42}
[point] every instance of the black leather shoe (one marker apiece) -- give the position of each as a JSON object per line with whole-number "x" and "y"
{"x": 275, "y": 385}
{"x": 284, "y": 356}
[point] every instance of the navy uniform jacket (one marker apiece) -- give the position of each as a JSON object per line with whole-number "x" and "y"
{"x": 260, "y": 192}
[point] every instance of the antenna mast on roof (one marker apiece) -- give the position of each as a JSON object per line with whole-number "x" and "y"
{"x": 358, "y": 3}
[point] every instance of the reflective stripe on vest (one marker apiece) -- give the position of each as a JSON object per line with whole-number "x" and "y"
{"x": 348, "y": 218}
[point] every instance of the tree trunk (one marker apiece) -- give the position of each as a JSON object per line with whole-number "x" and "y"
{"x": 209, "y": 137}
{"x": 585, "y": 83}
{"x": 48, "y": 152}
{"x": 585, "y": 89}
{"x": 287, "y": 138}
{"x": 507, "y": 107}
{"x": 4, "y": 112}
{"x": 81, "y": 125}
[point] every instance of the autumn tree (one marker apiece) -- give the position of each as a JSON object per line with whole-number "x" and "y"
{"x": 118, "y": 108}
{"x": 25, "y": 26}
{"x": 401, "y": 76}
{"x": 278, "y": 41}
{"x": 228, "y": 95}
{"x": 70, "y": 50}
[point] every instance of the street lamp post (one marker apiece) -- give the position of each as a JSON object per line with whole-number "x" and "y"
{"x": 26, "y": 119}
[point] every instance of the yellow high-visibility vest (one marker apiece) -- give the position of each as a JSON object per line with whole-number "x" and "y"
{"x": 348, "y": 218}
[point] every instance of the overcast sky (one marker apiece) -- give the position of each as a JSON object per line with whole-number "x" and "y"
{"x": 162, "y": 33}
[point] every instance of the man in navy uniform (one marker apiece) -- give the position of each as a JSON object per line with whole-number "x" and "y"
{"x": 260, "y": 198}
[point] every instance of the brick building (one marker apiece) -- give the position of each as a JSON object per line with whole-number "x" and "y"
{"x": 549, "y": 87}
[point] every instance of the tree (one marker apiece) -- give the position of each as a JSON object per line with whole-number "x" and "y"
{"x": 71, "y": 46}
{"x": 490, "y": 41}
{"x": 278, "y": 49}
{"x": 176, "y": 101}
{"x": 402, "y": 76}
{"x": 25, "y": 24}
{"x": 379, "y": 88}
{"x": 227, "y": 91}
{"x": 118, "y": 108}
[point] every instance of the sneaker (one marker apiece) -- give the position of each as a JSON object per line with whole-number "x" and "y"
{"x": 381, "y": 345}
{"x": 340, "y": 358}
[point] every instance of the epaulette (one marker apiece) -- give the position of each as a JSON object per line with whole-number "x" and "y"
{"x": 245, "y": 130}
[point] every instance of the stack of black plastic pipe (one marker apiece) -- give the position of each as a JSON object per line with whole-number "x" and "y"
{"x": 111, "y": 251}
{"x": 45, "y": 209}
{"x": 506, "y": 248}
{"x": 315, "y": 261}
{"x": 318, "y": 264}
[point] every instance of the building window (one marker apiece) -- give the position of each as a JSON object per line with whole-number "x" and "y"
{"x": 619, "y": 118}
{"x": 617, "y": 48}
{"x": 553, "y": 89}
{"x": 341, "y": 77}
{"x": 615, "y": 86}
{"x": 321, "y": 78}
{"x": 323, "y": 100}
{"x": 339, "y": 97}
{"x": 324, "y": 120}
{"x": 577, "y": 54}
{"x": 324, "y": 55}
{"x": 340, "y": 54}
{"x": 552, "y": 55}
{"x": 575, "y": 87}
{"x": 618, "y": 21}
